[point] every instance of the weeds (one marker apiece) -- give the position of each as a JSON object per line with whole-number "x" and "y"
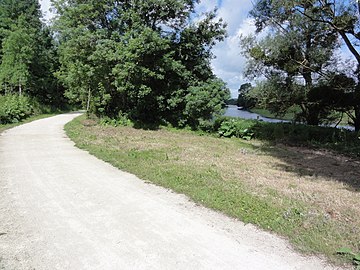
{"x": 355, "y": 257}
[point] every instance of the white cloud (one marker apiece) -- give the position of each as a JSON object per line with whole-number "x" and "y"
{"x": 234, "y": 12}
{"x": 229, "y": 63}
{"x": 206, "y": 6}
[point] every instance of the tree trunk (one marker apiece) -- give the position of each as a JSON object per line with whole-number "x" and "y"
{"x": 357, "y": 118}
{"x": 312, "y": 117}
{"x": 357, "y": 103}
{"x": 88, "y": 104}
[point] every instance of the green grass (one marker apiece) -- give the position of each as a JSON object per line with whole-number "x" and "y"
{"x": 169, "y": 158}
{"x": 266, "y": 113}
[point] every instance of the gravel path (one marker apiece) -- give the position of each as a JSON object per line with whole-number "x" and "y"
{"x": 61, "y": 208}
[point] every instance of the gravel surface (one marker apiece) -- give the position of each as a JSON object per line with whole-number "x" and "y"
{"x": 61, "y": 208}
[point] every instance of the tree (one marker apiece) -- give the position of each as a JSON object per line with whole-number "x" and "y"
{"x": 342, "y": 18}
{"x": 141, "y": 58}
{"x": 204, "y": 99}
{"x": 294, "y": 56}
{"x": 28, "y": 56}
{"x": 244, "y": 99}
{"x": 18, "y": 52}
{"x": 28, "y": 11}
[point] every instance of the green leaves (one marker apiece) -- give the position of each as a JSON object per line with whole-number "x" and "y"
{"x": 27, "y": 53}
{"x": 349, "y": 252}
{"x": 152, "y": 63}
{"x": 296, "y": 54}
{"x": 204, "y": 100}
{"x": 14, "y": 108}
{"x": 236, "y": 128}
{"x": 18, "y": 52}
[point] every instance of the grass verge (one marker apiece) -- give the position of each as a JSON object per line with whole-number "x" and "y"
{"x": 251, "y": 181}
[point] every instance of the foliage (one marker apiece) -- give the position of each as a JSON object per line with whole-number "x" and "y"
{"x": 28, "y": 55}
{"x": 120, "y": 120}
{"x": 340, "y": 20}
{"x": 17, "y": 54}
{"x": 144, "y": 58}
{"x": 354, "y": 257}
{"x": 236, "y": 128}
{"x": 14, "y": 108}
{"x": 297, "y": 46}
{"x": 232, "y": 101}
{"x": 339, "y": 140}
{"x": 343, "y": 18}
{"x": 245, "y": 100}
{"x": 204, "y": 101}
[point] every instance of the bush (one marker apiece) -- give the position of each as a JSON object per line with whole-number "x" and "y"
{"x": 236, "y": 128}
{"x": 121, "y": 120}
{"x": 14, "y": 108}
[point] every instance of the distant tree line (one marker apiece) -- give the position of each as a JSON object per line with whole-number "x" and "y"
{"x": 297, "y": 58}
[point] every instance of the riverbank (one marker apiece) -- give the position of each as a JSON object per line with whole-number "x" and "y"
{"x": 308, "y": 196}
{"x": 234, "y": 111}
{"x": 267, "y": 116}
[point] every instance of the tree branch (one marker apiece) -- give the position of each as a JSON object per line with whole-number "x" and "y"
{"x": 350, "y": 45}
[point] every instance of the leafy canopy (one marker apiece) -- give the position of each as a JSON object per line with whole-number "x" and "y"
{"x": 142, "y": 58}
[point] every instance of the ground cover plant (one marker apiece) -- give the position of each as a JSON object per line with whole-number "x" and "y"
{"x": 310, "y": 196}
{"x": 14, "y": 108}
{"x": 339, "y": 140}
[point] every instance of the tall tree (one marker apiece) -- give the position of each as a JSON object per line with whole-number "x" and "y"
{"x": 294, "y": 56}
{"x": 12, "y": 10}
{"x": 244, "y": 99}
{"x": 340, "y": 17}
{"x": 18, "y": 52}
{"x": 136, "y": 57}
{"x": 28, "y": 57}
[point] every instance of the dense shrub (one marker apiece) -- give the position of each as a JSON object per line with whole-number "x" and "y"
{"x": 236, "y": 128}
{"x": 14, "y": 108}
{"x": 121, "y": 120}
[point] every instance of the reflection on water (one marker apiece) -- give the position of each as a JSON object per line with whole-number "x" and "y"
{"x": 233, "y": 111}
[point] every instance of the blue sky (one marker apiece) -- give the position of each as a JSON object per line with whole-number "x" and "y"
{"x": 228, "y": 64}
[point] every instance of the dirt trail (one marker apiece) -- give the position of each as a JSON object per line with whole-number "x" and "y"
{"x": 61, "y": 208}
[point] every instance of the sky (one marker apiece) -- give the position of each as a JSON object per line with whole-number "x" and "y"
{"x": 228, "y": 64}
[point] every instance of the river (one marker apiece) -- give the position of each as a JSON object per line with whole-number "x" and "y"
{"x": 233, "y": 111}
